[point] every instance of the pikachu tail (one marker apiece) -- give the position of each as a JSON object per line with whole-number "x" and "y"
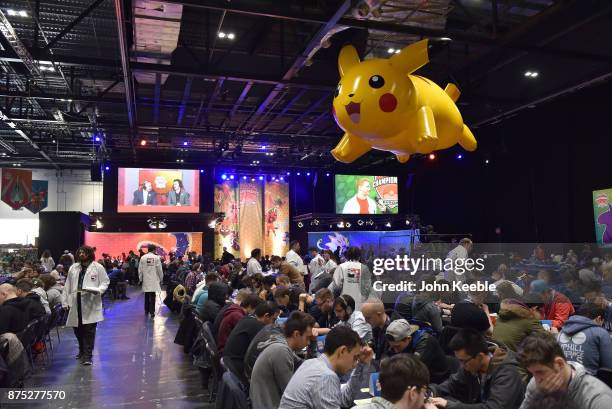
{"x": 467, "y": 140}
{"x": 452, "y": 91}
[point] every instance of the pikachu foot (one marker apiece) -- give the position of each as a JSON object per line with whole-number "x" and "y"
{"x": 402, "y": 158}
{"x": 426, "y": 144}
{"x": 350, "y": 148}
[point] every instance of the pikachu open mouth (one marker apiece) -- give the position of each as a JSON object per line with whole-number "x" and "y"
{"x": 353, "y": 110}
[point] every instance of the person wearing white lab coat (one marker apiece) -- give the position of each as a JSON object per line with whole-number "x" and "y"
{"x": 293, "y": 257}
{"x": 82, "y": 295}
{"x": 150, "y": 274}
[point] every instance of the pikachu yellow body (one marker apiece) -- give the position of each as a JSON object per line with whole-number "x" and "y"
{"x": 380, "y": 105}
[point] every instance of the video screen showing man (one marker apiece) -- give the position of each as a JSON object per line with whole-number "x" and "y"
{"x": 178, "y": 196}
{"x": 145, "y": 196}
{"x": 362, "y": 203}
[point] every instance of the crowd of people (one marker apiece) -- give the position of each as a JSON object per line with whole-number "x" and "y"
{"x": 308, "y": 331}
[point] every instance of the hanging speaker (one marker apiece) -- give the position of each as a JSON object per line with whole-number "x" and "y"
{"x": 96, "y": 172}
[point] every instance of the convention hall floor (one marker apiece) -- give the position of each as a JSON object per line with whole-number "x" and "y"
{"x": 136, "y": 364}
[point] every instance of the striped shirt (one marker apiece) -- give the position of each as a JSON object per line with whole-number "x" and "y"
{"x": 315, "y": 385}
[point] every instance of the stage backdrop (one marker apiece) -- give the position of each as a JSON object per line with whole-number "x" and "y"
{"x": 381, "y": 243}
{"x": 602, "y": 207}
{"x": 256, "y": 216}
{"x": 117, "y": 243}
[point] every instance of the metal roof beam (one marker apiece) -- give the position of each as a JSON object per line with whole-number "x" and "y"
{"x": 74, "y": 22}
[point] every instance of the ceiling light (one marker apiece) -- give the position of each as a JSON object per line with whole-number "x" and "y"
{"x": 11, "y": 12}
{"x": 143, "y": 143}
{"x": 221, "y": 34}
{"x": 388, "y": 224}
{"x": 340, "y": 225}
{"x": 106, "y": 168}
{"x": 244, "y": 178}
{"x": 487, "y": 161}
{"x": 460, "y": 156}
{"x": 446, "y": 39}
{"x": 391, "y": 50}
{"x": 300, "y": 225}
{"x": 23, "y": 13}
{"x": 231, "y": 36}
{"x": 397, "y": 51}
{"x": 534, "y": 74}
{"x": 432, "y": 156}
{"x": 99, "y": 224}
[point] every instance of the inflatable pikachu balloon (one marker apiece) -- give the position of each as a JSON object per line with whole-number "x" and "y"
{"x": 380, "y": 105}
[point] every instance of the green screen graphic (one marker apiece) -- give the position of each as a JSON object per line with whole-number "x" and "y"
{"x": 359, "y": 194}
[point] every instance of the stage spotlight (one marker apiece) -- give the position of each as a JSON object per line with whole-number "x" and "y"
{"x": 300, "y": 225}
{"x": 299, "y": 174}
{"x": 316, "y": 222}
{"x": 261, "y": 178}
{"x": 244, "y": 178}
{"x": 360, "y": 222}
{"x": 486, "y": 161}
{"x": 282, "y": 179}
{"x": 107, "y": 168}
{"x": 460, "y": 156}
{"x": 99, "y": 224}
{"x": 185, "y": 143}
{"x": 252, "y": 179}
{"x": 212, "y": 224}
{"x": 327, "y": 174}
{"x": 232, "y": 177}
{"x": 263, "y": 147}
{"x": 143, "y": 142}
{"x": 97, "y": 139}
{"x": 347, "y": 225}
{"x": 407, "y": 222}
{"x": 288, "y": 173}
{"x": 388, "y": 224}
{"x": 201, "y": 170}
{"x": 157, "y": 223}
{"x": 432, "y": 156}
{"x": 370, "y": 222}
{"x": 223, "y": 176}
{"x": 307, "y": 173}
{"x": 341, "y": 225}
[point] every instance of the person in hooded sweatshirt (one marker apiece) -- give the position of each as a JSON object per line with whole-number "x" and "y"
{"x": 515, "y": 322}
{"x": 424, "y": 309}
{"x": 488, "y": 377}
{"x": 583, "y": 339}
{"x": 232, "y": 315}
{"x": 35, "y": 307}
{"x": 217, "y": 294}
{"x": 13, "y": 310}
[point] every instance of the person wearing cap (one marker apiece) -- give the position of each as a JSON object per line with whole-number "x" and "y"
{"x": 405, "y": 338}
{"x": 557, "y": 307}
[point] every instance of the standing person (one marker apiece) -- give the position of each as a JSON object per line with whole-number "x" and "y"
{"x": 352, "y": 278}
{"x": 315, "y": 267}
{"x": 150, "y": 273}
{"x": 82, "y": 295}
{"x": 458, "y": 253}
{"x": 178, "y": 196}
{"x": 253, "y": 266}
{"x": 47, "y": 261}
{"x": 293, "y": 257}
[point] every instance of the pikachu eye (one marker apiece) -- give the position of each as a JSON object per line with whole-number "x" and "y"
{"x": 337, "y": 91}
{"x": 376, "y": 81}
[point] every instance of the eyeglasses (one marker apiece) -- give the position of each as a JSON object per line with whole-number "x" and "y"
{"x": 465, "y": 361}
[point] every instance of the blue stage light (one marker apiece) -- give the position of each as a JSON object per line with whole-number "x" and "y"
{"x": 261, "y": 178}
{"x": 224, "y": 176}
{"x": 299, "y": 174}
{"x": 107, "y": 167}
{"x": 460, "y": 156}
{"x": 308, "y": 174}
{"x": 232, "y": 177}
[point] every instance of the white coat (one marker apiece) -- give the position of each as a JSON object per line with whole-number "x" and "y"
{"x": 352, "y": 206}
{"x": 91, "y": 304}
{"x": 150, "y": 272}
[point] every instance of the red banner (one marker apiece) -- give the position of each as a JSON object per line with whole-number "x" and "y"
{"x": 16, "y": 187}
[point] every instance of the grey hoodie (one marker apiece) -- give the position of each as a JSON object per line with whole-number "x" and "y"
{"x": 586, "y": 391}
{"x": 585, "y": 342}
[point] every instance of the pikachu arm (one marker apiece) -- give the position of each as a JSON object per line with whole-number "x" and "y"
{"x": 411, "y": 58}
{"x": 427, "y": 136}
{"x": 350, "y": 148}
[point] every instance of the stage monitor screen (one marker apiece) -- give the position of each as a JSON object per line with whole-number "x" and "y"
{"x": 358, "y": 194}
{"x": 158, "y": 191}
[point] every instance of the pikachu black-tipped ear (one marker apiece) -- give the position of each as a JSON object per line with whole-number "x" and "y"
{"x": 411, "y": 58}
{"x": 348, "y": 58}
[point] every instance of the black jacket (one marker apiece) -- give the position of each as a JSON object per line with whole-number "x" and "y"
{"x": 34, "y": 307}
{"x": 217, "y": 293}
{"x": 14, "y": 315}
{"x": 502, "y": 387}
{"x": 237, "y": 344}
{"x": 429, "y": 351}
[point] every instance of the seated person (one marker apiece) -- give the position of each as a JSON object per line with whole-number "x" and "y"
{"x": 13, "y": 310}
{"x": 544, "y": 359}
{"x": 373, "y": 311}
{"x": 217, "y": 295}
{"x": 472, "y": 312}
{"x": 240, "y": 297}
{"x": 242, "y": 335}
{"x": 178, "y": 196}
{"x": 344, "y": 309}
{"x": 295, "y": 277}
{"x": 403, "y": 384}
{"x": 321, "y": 307}
{"x": 515, "y": 322}
{"x": 556, "y": 306}
{"x": 145, "y": 195}
{"x": 488, "y": 378}
{"x": 268, "y": 285}
{"x": 405, "y": 338}
{"x": 35, "y": 306}
{"x": 232, "y": 315}
{"x": 316, "y": 383}
{"x": 275, "y": 364}
{"x": 282, "y": 296}
{"x": 268, "y": 335}
{"x": 584, "y": 340}
{"x": 200, "y": 296}
{"x": 53, "y": 289}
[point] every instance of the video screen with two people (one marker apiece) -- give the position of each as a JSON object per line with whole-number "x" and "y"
{"x": 358, "y": 194}
{"x": 158, "y": 190}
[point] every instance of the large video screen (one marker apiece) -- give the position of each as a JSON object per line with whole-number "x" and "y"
{"x": 358, "y": 194}
{"x": 602, "y": 207}
{"x": 158, "y": 191}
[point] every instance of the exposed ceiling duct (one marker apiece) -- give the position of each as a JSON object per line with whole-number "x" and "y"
{"x": 156, "y": 31}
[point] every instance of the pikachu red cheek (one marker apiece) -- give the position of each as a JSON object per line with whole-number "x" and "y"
{"x": 387, "y": 102}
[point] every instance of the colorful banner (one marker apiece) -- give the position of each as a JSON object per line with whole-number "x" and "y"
{"x": 251, "y": 217}
{"x": 39, "y": 196}
{"x": 378, "y": 243}
{"x": 16, "y": 187}
{"x": 115, "y": 244}
{"x": 227, "y": 232}
{"x": 276, "y": 239}
{"x": 602, "y": 208}
{"x": 357, "y": 194}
